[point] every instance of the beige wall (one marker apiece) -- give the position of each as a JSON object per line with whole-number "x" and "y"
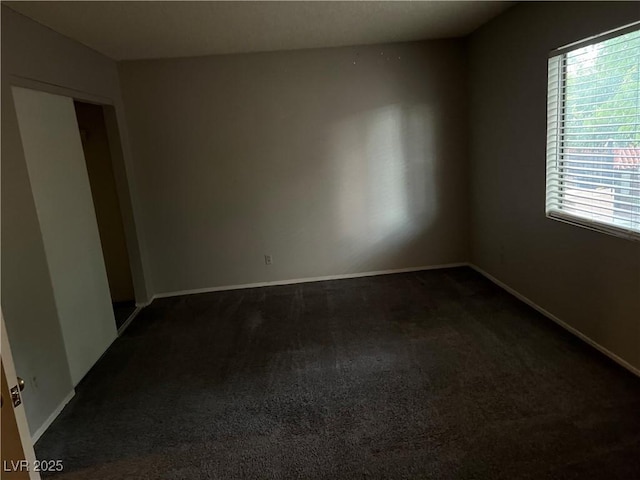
{"x": 587, "y": 279}
{"x": 95, "y": 144}
{"x": 36, "y": 57}
{"x": 334, "y": 161}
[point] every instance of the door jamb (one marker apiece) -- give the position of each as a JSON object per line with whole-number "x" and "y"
{"x": 21, "y": 418}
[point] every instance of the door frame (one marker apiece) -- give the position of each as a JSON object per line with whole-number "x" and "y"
{"x": 19, "y": 413}
{"x": 123, "y": 174}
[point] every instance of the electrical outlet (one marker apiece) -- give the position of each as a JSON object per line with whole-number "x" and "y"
{"x": 268, "y": 259}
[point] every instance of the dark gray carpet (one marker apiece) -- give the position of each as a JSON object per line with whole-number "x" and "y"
{"x": 436, "y": 374}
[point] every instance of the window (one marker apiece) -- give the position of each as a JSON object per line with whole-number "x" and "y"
{"x": 593, "y": 133}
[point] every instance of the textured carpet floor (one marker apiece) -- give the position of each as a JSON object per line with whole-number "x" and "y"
{"x": 436, "y": 374}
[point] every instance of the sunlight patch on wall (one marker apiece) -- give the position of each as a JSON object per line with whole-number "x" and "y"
{"x": 385, "y": 167}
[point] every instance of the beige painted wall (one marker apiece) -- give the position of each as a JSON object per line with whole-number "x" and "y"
{"x": 97, "y": 154}
{"x": 333, "y": 161}
{"x": 587, "y": 279}
{"x": 36, "y": 57}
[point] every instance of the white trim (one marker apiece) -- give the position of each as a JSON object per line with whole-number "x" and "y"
{"x": 146, "y": 303}
{"x": 130, "y": 319}
{"x": 47, "y": 423}
{"x": 306, "y": 280}
{"x": 18, "y": 411}
{"x": 593, "y": 225}
{"x": 564, "y": 325}
{"x": 504, "y": 286}
{"x": 55, "y": 89}
{"x": 601, "y": 37}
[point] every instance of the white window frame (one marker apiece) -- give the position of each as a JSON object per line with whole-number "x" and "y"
{"x": 555, "y": 76}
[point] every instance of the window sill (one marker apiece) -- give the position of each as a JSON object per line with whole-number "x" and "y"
{"x": 595, "y": 226}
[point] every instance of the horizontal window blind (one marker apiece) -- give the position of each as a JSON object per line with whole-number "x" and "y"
{"x": 593, "y": 135}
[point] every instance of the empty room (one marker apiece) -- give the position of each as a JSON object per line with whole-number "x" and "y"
{"x": 366, "y": 239}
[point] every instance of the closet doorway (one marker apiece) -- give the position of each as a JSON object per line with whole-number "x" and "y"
{"x": 98, "y": 158}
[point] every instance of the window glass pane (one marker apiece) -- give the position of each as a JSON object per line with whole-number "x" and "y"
{"x": 596, "y": 172}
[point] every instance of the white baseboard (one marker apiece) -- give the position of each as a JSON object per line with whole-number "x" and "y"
{"x": 307, "y": 280}
{"x": 47, "y": 423}
{"x": 145, "y": 304}
{"x": 130, "y": 318}
{"x": 515, "y": 293}
{"x": 38, "y": 433}
{"x": 564, "y": 325}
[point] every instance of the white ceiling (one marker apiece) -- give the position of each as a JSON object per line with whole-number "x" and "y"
{"x": 135, "y": 30}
